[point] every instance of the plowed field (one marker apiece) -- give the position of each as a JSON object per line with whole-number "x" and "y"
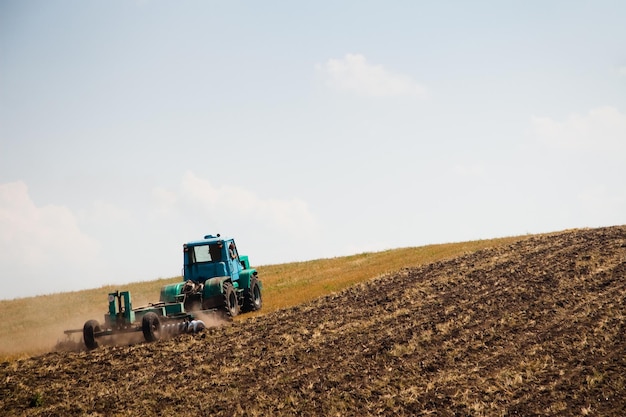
{"x": 533, "y": 328}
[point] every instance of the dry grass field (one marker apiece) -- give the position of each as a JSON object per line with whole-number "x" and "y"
{"x": 532, "y": 326}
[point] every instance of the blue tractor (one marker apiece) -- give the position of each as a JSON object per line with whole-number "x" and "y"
{"x": 216, "y": 279}
{"x": 215, "y": 276}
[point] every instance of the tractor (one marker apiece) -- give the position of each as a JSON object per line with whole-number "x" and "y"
{"x": 216, "y": 280}
{"x": 215, "y": 276}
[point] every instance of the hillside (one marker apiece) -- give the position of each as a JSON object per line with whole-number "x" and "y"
{"x": 535, "y": 327}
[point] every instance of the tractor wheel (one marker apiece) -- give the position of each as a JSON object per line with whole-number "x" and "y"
{"x": 89, "y": 334}
{"x": 252, "y": 296}
{"x": 231, "y": 304}
{"x": 151, "y": 327}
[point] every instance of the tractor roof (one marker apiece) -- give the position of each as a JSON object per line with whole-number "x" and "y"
{"x": 208, "y": 239}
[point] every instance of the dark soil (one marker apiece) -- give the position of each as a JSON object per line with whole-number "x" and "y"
{"x": 534, "y": 328}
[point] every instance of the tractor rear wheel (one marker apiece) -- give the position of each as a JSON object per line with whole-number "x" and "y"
{"x": 231, "y": 304}
{"x": 151, "y": 327}
{"x": 252, "y": 296}
{"x": 89, "y": 334}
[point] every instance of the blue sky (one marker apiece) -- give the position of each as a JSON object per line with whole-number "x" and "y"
{"x": 303, "y": 129}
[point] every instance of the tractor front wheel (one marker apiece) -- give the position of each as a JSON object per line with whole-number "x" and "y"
{"x": 151, "y": 327}
{"x": 252, "y": 296}
{"x": 231, "y": 304}
{"x": 89, "y": 334}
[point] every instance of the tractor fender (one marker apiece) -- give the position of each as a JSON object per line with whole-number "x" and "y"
{"x": 214, "y": 287}
{"x": 170, "y": 293}
{"x": 213, "y": 292}
{"x": 246, "y": 276}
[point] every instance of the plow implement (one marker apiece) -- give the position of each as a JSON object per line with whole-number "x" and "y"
{"x": 152, "y": 321}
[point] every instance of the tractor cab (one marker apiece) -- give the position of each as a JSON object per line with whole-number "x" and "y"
{"x": 212, "y": 257}
{"x": 215, "y": 276}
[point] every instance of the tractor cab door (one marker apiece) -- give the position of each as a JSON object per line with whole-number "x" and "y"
{"x": 234, "y": 264}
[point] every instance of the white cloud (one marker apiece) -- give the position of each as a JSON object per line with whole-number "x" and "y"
{"x": 290, "y": 215}
{"x": 353, "y": 73}
{"x": 583, "y": 167}
{"x": 165, "y": 202}
{"x": 470, "y": 170}
{"x": 41, "y": 247}
{"x": 594, "y": 195}
{"x": 105, "y": 213}
{"x": 601, "y": 201}
{"x": 601, "y": 129}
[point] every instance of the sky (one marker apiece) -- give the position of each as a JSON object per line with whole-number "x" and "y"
{"x": 304, "y": 130}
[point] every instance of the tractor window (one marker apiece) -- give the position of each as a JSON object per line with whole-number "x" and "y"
{"x": 201, "y": 254}
{"x": 215, "y": 249}
{"x": 207, "y": 253}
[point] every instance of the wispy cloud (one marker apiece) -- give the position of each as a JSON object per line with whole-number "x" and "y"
{"x": 291, "y": 216}
{"x": 471, "y": 170}
{"x": 102, "y": 212}
{"x": 602, "y": 129}
{"x": 354, "y": 74}
{"x": 605, "y": 199}
{"x": 43, "y": 245}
